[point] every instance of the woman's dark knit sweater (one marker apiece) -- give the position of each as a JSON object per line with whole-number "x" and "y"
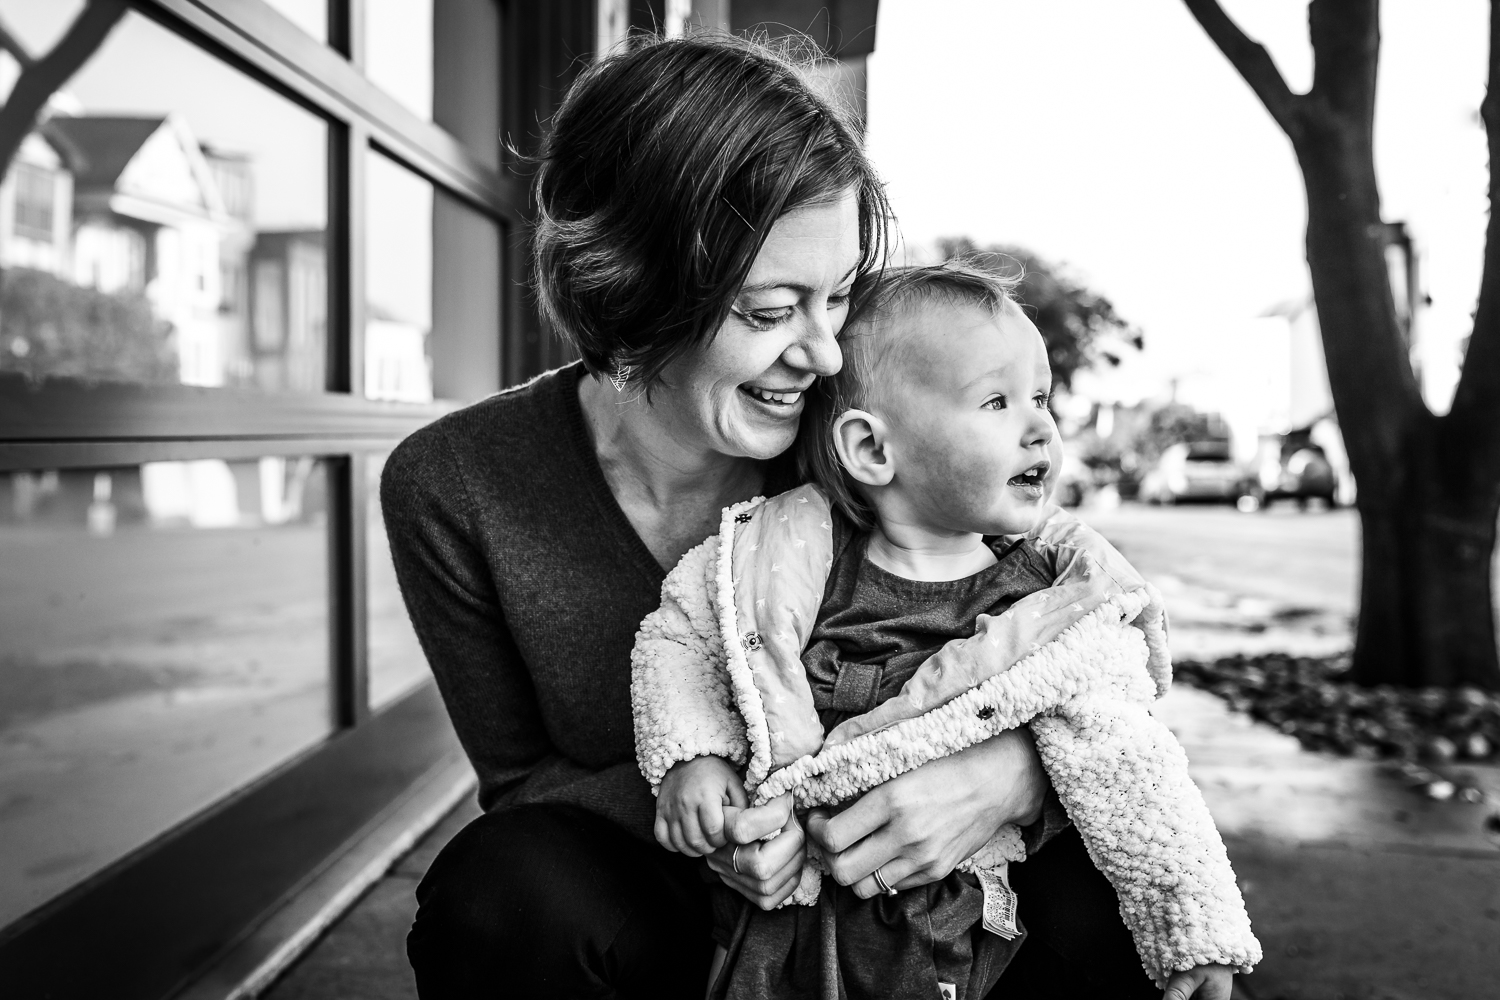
{"x": 526, "y": 583}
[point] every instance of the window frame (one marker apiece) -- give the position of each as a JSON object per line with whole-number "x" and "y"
{"x": 67, "y": 947}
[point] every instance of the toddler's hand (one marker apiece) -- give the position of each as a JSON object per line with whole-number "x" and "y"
{"x": 1203, "y": 982}
{"x": 690, "y": 805}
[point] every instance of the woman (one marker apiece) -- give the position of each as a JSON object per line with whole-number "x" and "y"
{"x": 702, "y": 218}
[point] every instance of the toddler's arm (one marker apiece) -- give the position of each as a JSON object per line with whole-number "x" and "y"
{"x": 690, "y": 805}
{"x": 679, "y": 688}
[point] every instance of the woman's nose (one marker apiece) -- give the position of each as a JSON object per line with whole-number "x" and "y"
{"x": 816, "y": 350}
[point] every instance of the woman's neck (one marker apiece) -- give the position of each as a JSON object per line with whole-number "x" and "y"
{"x": 670, "y": 489}
{"x": 914, "y": 552}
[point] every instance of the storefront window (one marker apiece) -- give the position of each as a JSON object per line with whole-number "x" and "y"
{"x": 432, "y": 289}
{"x": 163, "y": 641}
{"x": 397, "y": 663}
{"x": 398, "y": 51}
{"x": 165, "y": 220}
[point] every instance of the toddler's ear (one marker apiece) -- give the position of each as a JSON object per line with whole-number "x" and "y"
{"x": 861, "y": 440}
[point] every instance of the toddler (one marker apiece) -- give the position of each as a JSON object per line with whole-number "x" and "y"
{"x": 917, "y": 598}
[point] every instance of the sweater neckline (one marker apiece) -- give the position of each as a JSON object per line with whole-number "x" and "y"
{"x": 593, "y": 474}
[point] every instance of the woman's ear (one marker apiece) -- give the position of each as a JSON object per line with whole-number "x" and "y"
{"x": 862, "y": 441}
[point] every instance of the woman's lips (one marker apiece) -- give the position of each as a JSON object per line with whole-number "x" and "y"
{"x": 781, "y": 399}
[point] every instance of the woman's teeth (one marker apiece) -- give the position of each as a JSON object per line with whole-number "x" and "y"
{"x": 766, "y": 396}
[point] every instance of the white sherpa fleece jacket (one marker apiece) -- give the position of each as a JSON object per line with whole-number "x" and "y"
{"x": 717, "y": 670}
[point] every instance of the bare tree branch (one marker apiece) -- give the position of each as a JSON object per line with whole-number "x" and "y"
{"x": 1475, "y": 414}
{"x": 39, "y": 81}
{"x": 11, "y": 44}
{"x": 1253, "y": 62}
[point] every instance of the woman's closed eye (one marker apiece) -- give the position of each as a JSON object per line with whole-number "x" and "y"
{"x": 764, "y": 319}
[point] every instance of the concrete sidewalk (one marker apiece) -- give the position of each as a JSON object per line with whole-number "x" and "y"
{"x": 1357, "y": 886}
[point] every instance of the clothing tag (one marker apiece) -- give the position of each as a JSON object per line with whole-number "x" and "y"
{"x": 948, "y": 990}
{"x": 999, "y": 902}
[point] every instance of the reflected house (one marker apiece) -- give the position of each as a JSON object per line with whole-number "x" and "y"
{"x": 148, "y": 216}
{"x": 397, "y": 367}
{"x": 36, "y": 209}
{"x": 288, "y": 300}
{"x": 234, "y": 176}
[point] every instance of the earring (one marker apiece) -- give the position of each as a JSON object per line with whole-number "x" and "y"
{"x": 619, "y": 375}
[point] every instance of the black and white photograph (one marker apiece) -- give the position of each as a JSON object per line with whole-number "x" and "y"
{"x": 749, "y": 499}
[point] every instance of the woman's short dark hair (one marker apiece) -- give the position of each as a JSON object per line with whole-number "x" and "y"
{"x": 664, "y": 170}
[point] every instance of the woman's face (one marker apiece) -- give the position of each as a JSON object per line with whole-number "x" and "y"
{"x": 741, "y": 392}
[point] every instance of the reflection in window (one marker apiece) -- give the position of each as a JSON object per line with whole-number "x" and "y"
{"x": 432, "y": 291}
{"x": 163, "y": 640}
{"x": 398, "y": 283}
{"x": 398, "y": 51}
{"x": 397, "y": 663}
{"x": 154, "y": 184}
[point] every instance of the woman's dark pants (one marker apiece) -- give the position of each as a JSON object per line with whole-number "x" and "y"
{"x": 553, "y": 901}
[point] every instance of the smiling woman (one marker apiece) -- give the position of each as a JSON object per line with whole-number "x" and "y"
{"x": 702, "y": 216}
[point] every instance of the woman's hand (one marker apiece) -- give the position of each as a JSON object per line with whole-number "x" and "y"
{"x": 918, "y": 826}
{"x": 768, "y": 869}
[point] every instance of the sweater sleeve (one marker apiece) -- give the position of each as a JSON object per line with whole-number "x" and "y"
{"x": 451, "y": 598}
{"x": 679, "y": 686}
{"x": 1124, "y": 779}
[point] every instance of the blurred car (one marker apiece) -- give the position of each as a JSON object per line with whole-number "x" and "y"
{"x": 1197, "y": 470}
{"x": 1300, "y": 472}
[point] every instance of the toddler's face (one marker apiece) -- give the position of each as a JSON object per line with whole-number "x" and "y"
{"x": 975, "y": 446}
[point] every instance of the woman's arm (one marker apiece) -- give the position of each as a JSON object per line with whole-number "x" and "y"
{"x": 918, "y": 826}
{"x": 456, "y": 612}
{"x": 480, "y": 673}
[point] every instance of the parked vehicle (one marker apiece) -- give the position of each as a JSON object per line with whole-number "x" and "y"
{"x": 1197, "y": 470}
{"x": 1301, "y": 472}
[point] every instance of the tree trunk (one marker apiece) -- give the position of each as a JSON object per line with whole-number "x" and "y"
{"x": 1428, "y": 525}
{"x": 1426, "y": 606}
{"x": 1429, "y": 487}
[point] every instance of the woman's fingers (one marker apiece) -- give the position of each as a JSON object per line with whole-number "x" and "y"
{"x": 766, "y": 892}
{"x": 894, "y": 872}
{"x": 875, "y": 851}
{"x": 745, "y": 826}
{"x": 839, "y": 833}
{"x": 767, "y": 870}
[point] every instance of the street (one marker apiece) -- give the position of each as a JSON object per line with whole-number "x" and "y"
{"x": 1293, "y": 559}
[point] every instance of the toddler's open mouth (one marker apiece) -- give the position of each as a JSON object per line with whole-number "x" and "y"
{"x": 1031, "y": 481}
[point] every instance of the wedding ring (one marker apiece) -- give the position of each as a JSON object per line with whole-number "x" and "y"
{"x": 884, "y": 887}
{"x": 734, "y": 860}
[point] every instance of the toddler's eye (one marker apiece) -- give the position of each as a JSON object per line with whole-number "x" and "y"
{"x": 993, "y": 403}
{"x": 763, "y": 319}
{"x": 1043, "y": 400}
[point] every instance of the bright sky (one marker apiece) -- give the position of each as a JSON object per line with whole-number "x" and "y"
{"x": 1115, "y": 137}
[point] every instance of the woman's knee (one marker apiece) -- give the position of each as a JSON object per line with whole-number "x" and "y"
{"x": 517, "y": 878}
{"x": 555, "y": 894}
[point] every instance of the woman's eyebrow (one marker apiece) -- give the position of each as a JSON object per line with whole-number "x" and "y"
{"x": 766, "y": 286}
